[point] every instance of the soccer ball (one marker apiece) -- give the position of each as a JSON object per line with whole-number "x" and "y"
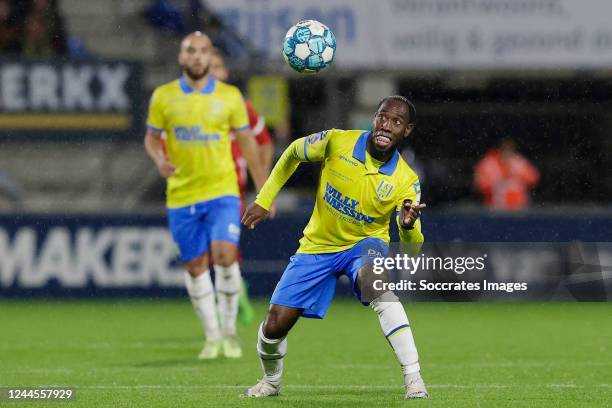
{"x": 309, "y": 46}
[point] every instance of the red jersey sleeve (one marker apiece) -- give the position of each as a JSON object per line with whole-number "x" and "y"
{"x": 258, "y": 125}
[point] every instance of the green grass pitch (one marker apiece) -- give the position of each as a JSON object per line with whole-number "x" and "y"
{"x": 129, "y": 353}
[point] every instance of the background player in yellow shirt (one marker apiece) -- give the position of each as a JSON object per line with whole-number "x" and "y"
{"x": 364, "y": 183}
{"x": 197, "y": 113}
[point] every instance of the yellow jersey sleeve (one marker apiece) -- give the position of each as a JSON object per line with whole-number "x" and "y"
{"x": 239, "y": 118}
{"x": 413, "y": 236}
{"x": 283, "y": 169}
{"x": 315, "y": 145}
{"x": 155, "y": 119}
{"x": 311, "y": 148}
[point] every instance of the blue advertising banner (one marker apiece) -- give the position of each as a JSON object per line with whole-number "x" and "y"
{"x": 87, "y": 256}
{"x": 135, "y": 255}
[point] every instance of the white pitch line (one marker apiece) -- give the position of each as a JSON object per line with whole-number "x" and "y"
{"x": 371, "y": 367}
{"x": 562, "y": 385}
{"x": 329, "y": 386}
{"x": 493, "y": 364}
{"x": 103, "y": 346}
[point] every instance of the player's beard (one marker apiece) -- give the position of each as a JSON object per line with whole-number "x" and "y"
{"x": 195, "y": 76}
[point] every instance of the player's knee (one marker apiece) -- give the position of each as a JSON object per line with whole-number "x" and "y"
{"x": 224, "y": 260}
{"x": 272, "y": 331}
{"x": 273, "y": 328}
{"x": 198, "y": 266}
{"x": 366, "y": 282}
{"x": 224, "y": 257}
{"x": 196, "y": 270}
{"x": 270, "y": 328}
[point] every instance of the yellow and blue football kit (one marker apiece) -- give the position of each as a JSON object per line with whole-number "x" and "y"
{"x": 356, "y": 198}
{"x": 202, "y": 195}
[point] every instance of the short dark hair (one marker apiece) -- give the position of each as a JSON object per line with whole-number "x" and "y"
{"x": 410, "y": 105}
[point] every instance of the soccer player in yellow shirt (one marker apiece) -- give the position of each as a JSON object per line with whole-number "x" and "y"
{"x": 197, "y": 113}
{"x": 364, "y": 183}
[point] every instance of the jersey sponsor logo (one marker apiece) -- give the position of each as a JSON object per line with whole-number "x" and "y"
{"x": 194, "y": 134}
{"x": 340, "y": 175}
{"x": 345, "y": 205}
{"x": 384, "y": 189}
{"x": 317, "y": 137}
{"x": 349, "y": 161}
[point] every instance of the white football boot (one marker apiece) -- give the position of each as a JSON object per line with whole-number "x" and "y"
{"x": 261, "y": 389}
{"x": 415, "y": 387}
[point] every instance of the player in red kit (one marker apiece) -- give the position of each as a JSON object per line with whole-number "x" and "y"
{"x": 264, "y": 142}
{"x": 219, "y": 70}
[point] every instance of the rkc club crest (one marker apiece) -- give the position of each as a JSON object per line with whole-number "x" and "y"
{"x": 384, "y": 189}
{"x": 216, "y": 107}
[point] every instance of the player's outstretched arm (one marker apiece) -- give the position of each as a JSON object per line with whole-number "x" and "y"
{"x": 284, "y": 168}
{"x": 153, "y": 146}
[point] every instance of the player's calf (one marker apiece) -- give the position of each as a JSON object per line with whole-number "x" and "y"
{"x": 271, "y": 348}
{"x": 271, "y": 353}
{"x": 202, "y": 296}
{"x": 396, "y": 328}
{"x": 228, "y": 285}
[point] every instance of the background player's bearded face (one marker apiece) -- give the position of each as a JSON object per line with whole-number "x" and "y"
{"x": 194, "y": 57}
{"x": 390, "y": 126}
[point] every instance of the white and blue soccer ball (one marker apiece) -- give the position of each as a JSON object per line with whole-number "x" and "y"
{"x": 309, "y": 46}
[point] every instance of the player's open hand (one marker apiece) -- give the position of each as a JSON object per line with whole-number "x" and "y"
{"x": 165, "y": 168}
{"x": 410, "y": 213}
{"x": 253, "y": 215}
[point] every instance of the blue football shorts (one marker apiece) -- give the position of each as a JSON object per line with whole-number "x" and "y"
{"x": 194, "y": 227}
{"x": 309, "y": 281}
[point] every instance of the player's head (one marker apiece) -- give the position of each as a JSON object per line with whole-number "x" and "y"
{"x": 217, "y": 67}
{"x": 195, "y": 54}
{"x": 393, "y": 121}
{"x": 507, "y": 145}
